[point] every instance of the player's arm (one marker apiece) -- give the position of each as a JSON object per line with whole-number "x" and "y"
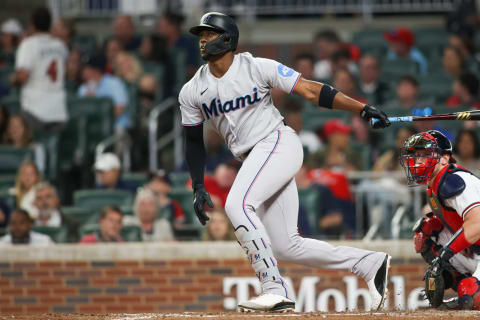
{"x": 326, "y": 96}
{"x": 19, "y": 77}
{"x": 195, "y": 157}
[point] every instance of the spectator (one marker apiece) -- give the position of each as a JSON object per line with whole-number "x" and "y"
{"x": 110, "y": 226}
{"x": 18, "y": 132}
{"x": 169, "y": 208}
{"x": 27, "y": 178}
{"x": 310, "y": 140}
{"x": 408, "y": 91}
{"x": 389, "y": 161}
{"x": 98, "y": 84}
{"x": 219, "y": 227}
{"x": 11, "y": 31}
{"x": 305, "y": 64}
{"x": 63, "y": 29}
{"x": 112, "y": 48}
{"x": 465, "y": 92}
{"x": 73, "y": 74}
{"x": 467, "y": 150}
{"x": 338, "y": 153}
{"x": 170, "y": 27}
{"x": 325, "y": 44}
{"x": 465, "y": 44}
{"x": 154, "y": 48}
{"x": 453, "y": 62}
{"x": 127, "y": 67}
{"x": 147, "y": 216}
{"x": 4, "y": 119}
{"x": 342, "y": 60}
{"x": 4, "y": 214}
{"x": 107, "y": 167}
{"x": 401, "y": 46}
{"x": 47, "y": 206}
{"x": 40, "y": 72}
{"x": 20, "y": 231}
{"x": 124, "y": 32}
{"x": 370, "y": 84}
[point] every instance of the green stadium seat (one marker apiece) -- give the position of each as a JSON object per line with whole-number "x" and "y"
{"x": 371, "y": 41}
{"x": 179, "y": 179}
{"x": 394, "y": 69}
{"x": 57, "y": 234}
{"x": 85, "y": 43}
{"x": 12, "y": 103}
{"x": 81, "y": 215}
{"x": 136, "y": 178}
{"x": 436, "y": 85}
{"x": 316, "y": 118}
{"x": 129, "y": 233}
{"x": 159, "y": 72}
{"x": 431, "y": 41}
{"x": 9, "y": 199}
{"x": 7, "y": 182}
{"x": 11, "y": 158}
{"x": 178, "y": 59}
{"x": 185, "y": 198}
{"x": 127, "y": 210}
{"x": 99, "y": 198}
{"x": 308, "y": 199}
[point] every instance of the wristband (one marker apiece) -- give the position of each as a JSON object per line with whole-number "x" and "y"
{"x": 458, "y": 242}
{"x": 327, "y": 94}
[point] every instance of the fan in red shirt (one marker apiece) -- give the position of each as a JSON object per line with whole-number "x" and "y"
{"x": 465, "y": 92}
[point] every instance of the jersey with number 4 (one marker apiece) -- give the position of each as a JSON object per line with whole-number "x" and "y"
{"x": 239, "y": 104}
{"x": 43, "y": 95}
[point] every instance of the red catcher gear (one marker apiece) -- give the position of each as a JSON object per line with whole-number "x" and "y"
{"x": 425, "y": 229}
{"x": 421, "y": 153}
{"x": 469, "y": 293}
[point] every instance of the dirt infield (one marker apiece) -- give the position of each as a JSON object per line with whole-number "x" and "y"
{"x": 420, "y": 315}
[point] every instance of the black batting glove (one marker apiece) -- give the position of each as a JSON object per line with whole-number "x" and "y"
{"x": 369, "y": 112}
{"x": 201, "y": 197}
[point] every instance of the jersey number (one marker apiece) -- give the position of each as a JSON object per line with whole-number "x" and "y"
{"x": 52, "y": 70}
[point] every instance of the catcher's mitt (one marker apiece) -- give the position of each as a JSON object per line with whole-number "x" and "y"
{"x": 437, "y": 280}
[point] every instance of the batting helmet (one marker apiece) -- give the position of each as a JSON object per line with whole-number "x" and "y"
{"x": 219, "y": 22}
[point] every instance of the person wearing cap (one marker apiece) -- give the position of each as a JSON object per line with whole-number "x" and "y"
{"x": 401, "y": 46}
{"x": 40, "y": 73}
{"x": 99, "y": 84}
{"x": 107, "y": 167}
{"x": 11, "y": 31}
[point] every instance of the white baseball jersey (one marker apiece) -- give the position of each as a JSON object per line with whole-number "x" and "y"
{"x": 239, "y": 104}
{"x": 469, "y": 198}
{"x": 43, "y": 95}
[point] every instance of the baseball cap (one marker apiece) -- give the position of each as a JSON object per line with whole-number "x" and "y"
{"x": 107, "y": 161}
{"x": 97, "y": 61}
{"x": 12, "y": 26}
{"x": 402, "y": 35}
{"x": 335, "y": 126}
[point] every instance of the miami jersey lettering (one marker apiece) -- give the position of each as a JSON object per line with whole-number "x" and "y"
{"x": 238, "y": 105}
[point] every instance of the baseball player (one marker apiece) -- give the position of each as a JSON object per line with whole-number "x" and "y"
{"x": 454, "y": 225}
{"x": 40, "y": 71}
{"x": 233, "y": 92}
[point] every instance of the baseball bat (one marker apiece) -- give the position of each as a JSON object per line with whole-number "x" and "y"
{"x": 464, "y": 115}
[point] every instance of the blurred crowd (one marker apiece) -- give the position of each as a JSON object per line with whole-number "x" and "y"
{"x": 95, "y": 199}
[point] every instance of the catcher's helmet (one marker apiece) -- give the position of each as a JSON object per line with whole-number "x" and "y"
{"x": 223, "y": 24}
{"x": 421, "y": 153}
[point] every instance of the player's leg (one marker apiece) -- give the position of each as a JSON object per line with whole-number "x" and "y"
{"x": 280, "y": 218}
{"x": 270, "y": 165}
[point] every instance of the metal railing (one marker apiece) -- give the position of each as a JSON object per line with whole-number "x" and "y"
{"x": 126, "y": 142}
{"x": 156, "y": 144}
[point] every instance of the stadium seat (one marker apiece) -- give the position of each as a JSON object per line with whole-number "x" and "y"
{"x": 178, "y": 60}
{"x": 11, "y": 158}
{"x": 81, "y": 215}
{"x": 12, "y": 103}
{"x": 127, "y": 210}
{"x": 5, "y": 73}
{"x": 371, "y": 41}
{"x": 7, "y": 182}
{"x": 308, "y": 199}
{"x": 394, "y": 69}
{"x": 129, "y": 233}
{"x": 438, "y": 86}
{"x": 57, "y": 234}
{"x": 99, "y": 198}
{"x": 85, "y": 43}
{"x": 185, "y": 198}
{"x": 179, "y": 179}
{"x": 139, "y": 179}
{"x": 157, "y": 70}
{"x": 316, "y": 118}
{"x": 9, "y": 199}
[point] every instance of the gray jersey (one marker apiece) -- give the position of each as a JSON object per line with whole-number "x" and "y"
{"x": 239, "y": 105}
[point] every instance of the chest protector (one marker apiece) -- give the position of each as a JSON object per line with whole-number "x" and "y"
{"x": 447, "y": 185}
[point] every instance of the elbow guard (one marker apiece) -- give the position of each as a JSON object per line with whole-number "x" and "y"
{"x": 327, "y": 94}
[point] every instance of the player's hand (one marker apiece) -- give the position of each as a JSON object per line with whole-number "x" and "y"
{"x": 369, "y": 112}
{"x": 201, "y": 197}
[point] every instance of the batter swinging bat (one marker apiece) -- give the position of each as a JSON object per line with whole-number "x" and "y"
{"x": 464, "y": 115}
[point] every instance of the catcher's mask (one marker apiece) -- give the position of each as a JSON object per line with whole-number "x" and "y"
{"x": 421, "y": 153}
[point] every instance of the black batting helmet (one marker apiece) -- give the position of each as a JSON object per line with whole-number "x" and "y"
{"x": 223, "y": 24}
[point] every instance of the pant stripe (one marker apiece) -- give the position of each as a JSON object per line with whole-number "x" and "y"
{"x": 256, "y": 176}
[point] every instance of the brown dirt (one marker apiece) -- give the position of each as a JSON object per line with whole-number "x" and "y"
{"x": 418, "y": 315}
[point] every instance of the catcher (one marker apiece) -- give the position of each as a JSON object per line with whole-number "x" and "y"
{"x": 448, "y": 238}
